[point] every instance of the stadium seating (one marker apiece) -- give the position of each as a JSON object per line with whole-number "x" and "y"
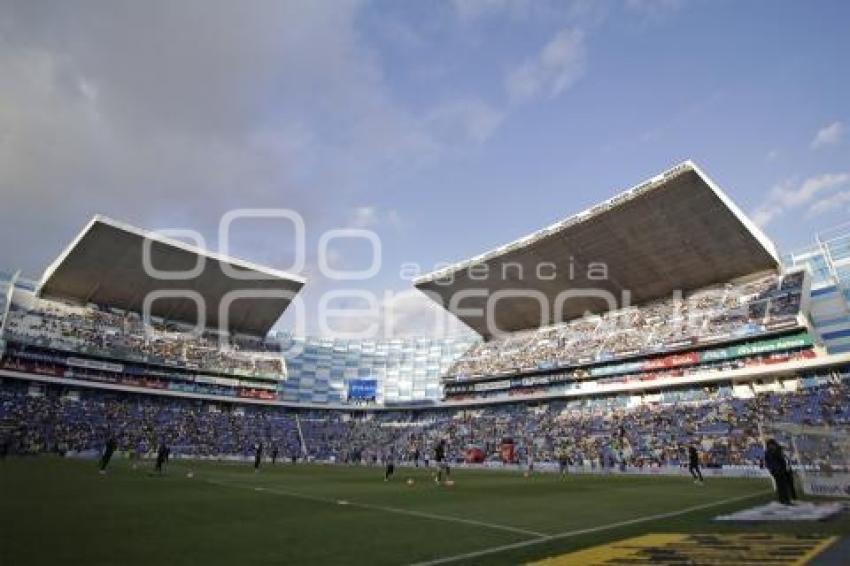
{"x": 705, "y": 315}
{"x": 123, "y": 336}
{"x": 648, "y": 430}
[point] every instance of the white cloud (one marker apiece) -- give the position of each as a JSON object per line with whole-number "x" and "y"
{"x": 556, "y": 68}
{"x": 412, "y": 313}
{"x": 830, "y": 203}
{"x": 364, "y": 217}
{"x": 828, "y": 135}
{"x": 406, "y": 313}
{"x": 464, "y": 120}
{"x": 373, "y": 217}
{"x": 791, "y": 195}
{"x": 170, "y": 113}
{"x": 764, "y": 214}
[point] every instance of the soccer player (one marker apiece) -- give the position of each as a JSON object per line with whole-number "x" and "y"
{"x": 162, "y": 456}
{"x": 108, "y": 450}
{"x": 442, "y": 464}
{"x": 693, "y": 464}
{"x": 562, "y": 462}
{"x": 416, "y": 456}
{"x": 390, "y": 457}
{"x": 274, "y": 455}
{"x": 258, "y": 456}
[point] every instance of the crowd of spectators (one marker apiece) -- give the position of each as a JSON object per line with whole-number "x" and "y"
{"x": 61, "y": 420}
{"x": 123, "y": 335}
{"x": 581, "y": 379}
{"x": 708, "y": 314}
{"x": 630, "y": 430}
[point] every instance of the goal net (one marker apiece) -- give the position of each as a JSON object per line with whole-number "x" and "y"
{"x": 819, "y": 455}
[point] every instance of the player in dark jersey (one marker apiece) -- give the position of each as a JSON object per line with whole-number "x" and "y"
{"x": 258, "y": 456}
{"x": 108, "y": 450}
{"x": 274, "y": 455}
{"x": 693, "y": 464}
{"x": 443, "y": 470}
{"x": 390, "y": 460}
{"x": 162, "y": 456}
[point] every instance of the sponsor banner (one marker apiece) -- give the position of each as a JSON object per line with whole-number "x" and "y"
{"x": 258, "y": 385}
{"x": 227, "y": 382}
{"x": 506, "y": 453}
{"x": 793, "y": 342}
{"x": 537, "y": 380}
{"x": 675, "y": 360}
{"x": 836, "y": 485}
{"x": 629, "y": 367}
{"x": 493, "y": 385}
{"x": 766, "y": 346}
{"x": 717, "y": 355}
{"x": 675, "y": 548}
{"x": 94, "y": 364}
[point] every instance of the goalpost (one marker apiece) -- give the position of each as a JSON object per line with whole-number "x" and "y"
{"x": 820, "y": 456}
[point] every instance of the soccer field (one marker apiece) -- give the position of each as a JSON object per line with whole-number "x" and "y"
{"x": 58, "y": 511}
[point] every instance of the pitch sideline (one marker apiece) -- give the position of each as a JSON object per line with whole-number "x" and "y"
{"x": 577, "y": 532}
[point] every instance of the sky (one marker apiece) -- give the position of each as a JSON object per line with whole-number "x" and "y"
{"x": 447, "y": 128}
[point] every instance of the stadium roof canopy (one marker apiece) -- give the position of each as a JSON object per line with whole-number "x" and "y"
{"x": 676, "y": 231}
{"x": 105, "y": 265}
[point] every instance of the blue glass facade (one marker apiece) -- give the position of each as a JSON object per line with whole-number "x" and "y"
{"x": 829, "y": 263}
{"x": 406, "y": 370}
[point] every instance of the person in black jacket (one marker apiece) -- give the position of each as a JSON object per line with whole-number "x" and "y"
{"x": 162, "y": 456}
{"x": 774, "y": 461}
{"x": 258, "y": 456}
{"x": 792, "y": 490}
{"x": 108, "y": 450}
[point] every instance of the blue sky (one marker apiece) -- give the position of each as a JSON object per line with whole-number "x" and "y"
{"x": 447, "y": 128}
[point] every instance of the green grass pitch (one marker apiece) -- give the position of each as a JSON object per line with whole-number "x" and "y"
{"x": 58, "y": 511}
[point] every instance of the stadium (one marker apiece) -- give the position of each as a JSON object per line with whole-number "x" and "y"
{"x": 630, "y": 363}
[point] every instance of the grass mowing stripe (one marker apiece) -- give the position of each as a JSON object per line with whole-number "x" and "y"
{"x": 589, "y": 530}
{"x": 372, "y": 507}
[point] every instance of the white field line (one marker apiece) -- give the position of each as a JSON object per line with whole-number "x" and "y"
{"x": 396, "y": 510}
{"x": 574, "y": 533}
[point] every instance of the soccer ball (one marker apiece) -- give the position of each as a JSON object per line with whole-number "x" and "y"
{"x": 525, "y": 475}
{"x": 450, "y": 483}
{"x": 409, "y": 481}
{"x": 190, "y": 475}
